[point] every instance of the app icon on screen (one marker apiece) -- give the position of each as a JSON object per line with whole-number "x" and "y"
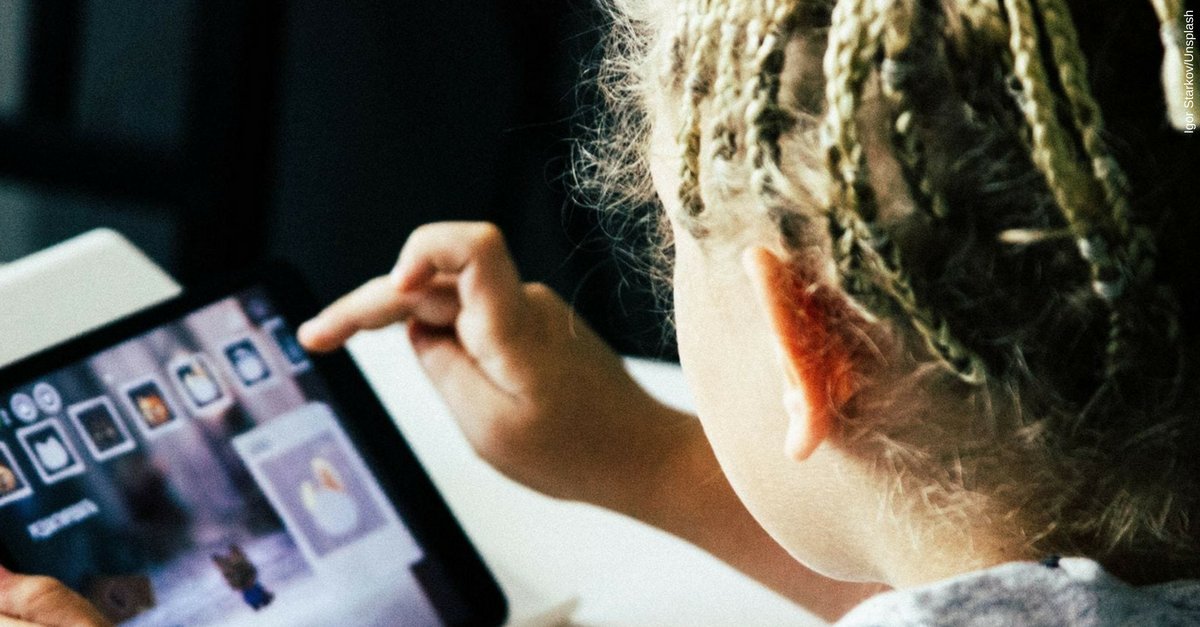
{"x": 13, "y": 485}
{"x": 314, "y": 478}
{"x": 23, "y": 407}
{"x": 289, "y": 346}
{"x": 52, "y": 454}
{"x": 47, "y": 398}
{"x": 147, "y": 400}
{"x": 247, "y": 362}
{"x": 198, "y": 384}
{"x": 100, "y": 428}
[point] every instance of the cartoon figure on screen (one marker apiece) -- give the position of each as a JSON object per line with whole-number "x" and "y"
{"x": 200, "y": 384}
{"x": 154, "y": 409}
{"x": 331, "y": 508}
{"x": 12, "y": 483}
{"x": 247, "y": 363}
{"x": 242, "y": 575}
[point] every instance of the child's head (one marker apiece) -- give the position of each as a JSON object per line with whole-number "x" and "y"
{"x": 936, "y": 251}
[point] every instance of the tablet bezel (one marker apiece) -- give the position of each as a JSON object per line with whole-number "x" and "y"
{"x": 373, "y": 431}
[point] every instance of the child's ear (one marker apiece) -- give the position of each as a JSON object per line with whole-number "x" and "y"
{"x": 817, "y": 365}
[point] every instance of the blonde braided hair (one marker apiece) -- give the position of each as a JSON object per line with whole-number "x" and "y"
{"x": 855, "y": 32}
{"x": 697, "y": 86}
{"x": 909, "y": 149}
{"x": 1015, "y": 152}
{"x": 1051, "y": 145}
{"x": 726, "y": 86}
{"x": 868, "y": 262}
{"x": 1120, "y": 255}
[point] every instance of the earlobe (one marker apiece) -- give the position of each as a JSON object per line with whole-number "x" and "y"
{"x": 817, "y": 366}
{"x": 803, "y": 434}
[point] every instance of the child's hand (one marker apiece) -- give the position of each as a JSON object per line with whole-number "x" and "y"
{"x": 536, "y": 392}
{"x": 546, "y": 402}
{"x": 28, "y": 600}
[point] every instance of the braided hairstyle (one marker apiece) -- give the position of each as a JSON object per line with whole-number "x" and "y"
{"x": 1037, "y": 268}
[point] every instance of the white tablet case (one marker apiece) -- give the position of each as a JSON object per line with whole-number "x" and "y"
{"x": 73, "y": 287}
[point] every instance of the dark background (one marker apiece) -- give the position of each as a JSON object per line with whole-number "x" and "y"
{"x": 215, "y": 133}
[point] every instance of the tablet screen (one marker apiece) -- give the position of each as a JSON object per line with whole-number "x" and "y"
{"x": 201, "y": 473}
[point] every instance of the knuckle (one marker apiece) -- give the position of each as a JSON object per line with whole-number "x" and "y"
{"x": 421, "y": 233}
{"x": 539, "y": 292}
{"x": 545, "y": 307}
{"x": 487, "y": 439}
{"x": 536, "y": 288}
{"x": 493, "y": 441}
{"x": 486, "y": 235}
{"x": 542, "y": 302}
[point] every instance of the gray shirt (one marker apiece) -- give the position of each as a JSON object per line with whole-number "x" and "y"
{"x": 1076, "y": 591}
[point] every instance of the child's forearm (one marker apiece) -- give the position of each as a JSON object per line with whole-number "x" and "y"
{"x": 693, "y": 500}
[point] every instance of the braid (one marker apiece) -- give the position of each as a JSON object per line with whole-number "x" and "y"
{"x": 1120, "y": 256}
{"x": 1089, "y": 122}
{"x": 696, "y": 88}
{"x": 726, "y": 87}
{"x": 855, "y": 34}
{"x": 1050, "y": 144}
{"x": 1053, "y": 156}
{"x": 765, "y": 120}
{"x": 1134, "y": 260}
{"x": 908, "y": 147}
{"x": 985, "y": 16}
{"x": 846, "y": 64}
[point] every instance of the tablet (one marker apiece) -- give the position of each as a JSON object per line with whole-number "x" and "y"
{"x": 193, "y": 465}
{"x": 49, "y": 295}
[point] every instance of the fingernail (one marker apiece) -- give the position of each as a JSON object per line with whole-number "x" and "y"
{"x": 397, "y": 276}
{"x": 307, "y": 331}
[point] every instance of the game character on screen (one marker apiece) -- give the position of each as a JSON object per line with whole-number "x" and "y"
{"x": 8, "y": 480}
{"x": 154, "y": 410}
{"x": 199, "y": 382}
{"x": 325, "y": 498}
{"x": 150, "y": 406}
{"x": 12, "y": 484}
{"x": 242, "y": 575}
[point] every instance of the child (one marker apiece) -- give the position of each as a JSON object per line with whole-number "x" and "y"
{"x": 932, "y": 296}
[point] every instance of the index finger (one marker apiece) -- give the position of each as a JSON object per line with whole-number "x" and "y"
{"x": 373, "y": 305}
